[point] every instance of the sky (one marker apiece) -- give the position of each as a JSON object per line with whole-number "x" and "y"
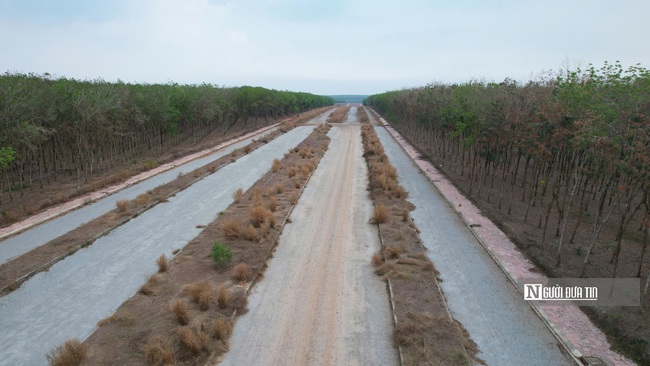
{"x": 319, "y": 46}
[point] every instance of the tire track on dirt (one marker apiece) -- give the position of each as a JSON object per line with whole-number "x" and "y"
{"x": 320, "y": 302}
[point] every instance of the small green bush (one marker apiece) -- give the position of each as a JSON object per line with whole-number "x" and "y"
{"x": 221, "y": 254}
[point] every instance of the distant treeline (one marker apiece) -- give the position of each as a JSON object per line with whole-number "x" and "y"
{"x": 52, "y": 125}
{"x": 577, "y": 145}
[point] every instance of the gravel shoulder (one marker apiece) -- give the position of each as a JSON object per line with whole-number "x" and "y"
{"x": 69, "y": 299}
{"x": 504, "y": 327}
{"x": 320, "y": 302}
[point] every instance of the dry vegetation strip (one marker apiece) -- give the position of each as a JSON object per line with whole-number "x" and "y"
{"x": 362, "y": 115}
{"x": 339, "y": 114}
{"x": 424, "y": 330}
{"x": 186, "y": 316}
{"x": 18, "y": 270}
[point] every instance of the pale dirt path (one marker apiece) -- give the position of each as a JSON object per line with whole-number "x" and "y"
{"x": 320, "y": 302}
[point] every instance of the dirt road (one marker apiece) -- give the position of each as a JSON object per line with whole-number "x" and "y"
{"x": 69, "y": 299}
{"x": 320, "y": 302}
{"x": 504, "y": 327}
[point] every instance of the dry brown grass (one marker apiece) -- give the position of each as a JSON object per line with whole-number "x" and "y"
{"x": 247, "y": 149}
{"x": 273, "y": 203}
{"x": 393, "y": 252}
{"x": 292, "y": 171}
{"x": 305, "y": 153}
{"x": 250, "y": 233}
{"x": 293, "y": 199}
{"x": 264, "y": 229}
{"x": 125, "y": 318}
{"x": 338, "y": 115}
{"x": 143, "y": 199}
{"x": 199, "y": 291}
{"x": 193, "y": 340}
{"x": 238, "y": 194}
{"x": 405, "y": 215}
{"x": 258, "y": 215}
{"x": 223, "y": 297}
{"x": 277, "y": 165}
{"x": 158, "y": 351}
{"x": 150, "y": 287}
{"x": 221, "y": 329}
{"x": 70, "y": 353}
{"x": 179, "y": 308}
{"x": 231, "y": 229}
{"x": 163, "y": 263}
{"x": 377, "y": 260}
{"x": 242, "y": 272}
{"x": 122, "y": 205}
{"x": 379, "y": 214}
{"x": 279, "y": 188}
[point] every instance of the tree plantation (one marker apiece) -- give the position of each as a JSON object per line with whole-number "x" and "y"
{"x": 53, "y": 127}
{"x": 572, "y": 151}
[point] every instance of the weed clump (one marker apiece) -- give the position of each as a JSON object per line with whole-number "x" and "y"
{"x": 242, "y": 272}
{"x": 221, "y": 254}
{"x": 163, "y": 263}
{"x": 178, "y": 307}
{"x": 238, "y": 194}
{"x": 223, "y": 297}
{"x": 380, "y": 214}
{"x": 277, "y": 165}
{"x": 70, "y": 353}
{"x": 231, "y": 229}
{"x": 158, "y": 351}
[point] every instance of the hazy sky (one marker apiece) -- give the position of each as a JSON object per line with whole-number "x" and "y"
{"x": 318, "y": 46}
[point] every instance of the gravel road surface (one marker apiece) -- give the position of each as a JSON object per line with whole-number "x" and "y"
{"x": 320, "y": 302}
{"x": 480, "y": 296}
{"x": 24, "y": 242}
{"x": 69, "y": 299}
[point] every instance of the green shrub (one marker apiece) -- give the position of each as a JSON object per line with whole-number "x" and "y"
{"x": 221, "y": 254}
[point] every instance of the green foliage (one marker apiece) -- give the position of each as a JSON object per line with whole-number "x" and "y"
{"x": 7, "y": 155}
{"x": 221, "y": 254}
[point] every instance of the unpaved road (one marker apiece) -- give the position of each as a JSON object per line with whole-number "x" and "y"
{"x": 33, "y": 238}
{"x": 320, "y": 302}
{"x": 69, "y": 299}
{"x": 479, "y": 295}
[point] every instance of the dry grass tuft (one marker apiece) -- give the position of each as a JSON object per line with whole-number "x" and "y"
{"x": 158, "y": 351}
{"x": 143, "y": 199}
{"x": 377, "y": 260}
{"x": 179, "y": 308}
{"x": 250, "y": 233}
{"x": 258, "y": 215}
{"x": 150, "y": 286}
{"x": 379, "y": 214}
{"x": 125, "y": 318}
{"x": 293, "y": 199}
{"x": 405, "y": 215}
{"x": 223, "y": 297}
{"x": 392, "y": 252}
{"x": 70, "y": 353}
{"x": 231, "y": 229}
{"x": 122, "y": 205}
{"x": 247, "y": 149}
{"x": 238, "y": 194}
{"x": 292, "y": 171}
{"x": 264, "y": 228}
{"x": 221, "y": 329}
{"x": 279, "y": 188}
{"x": 273, "y": 203}
{"x": 277, "y": 165}
{"x": 163, "y": 263}
{"x": 198, "y": 290}
{"x": 242, "y": 272}
{"x": 190, "y": 340}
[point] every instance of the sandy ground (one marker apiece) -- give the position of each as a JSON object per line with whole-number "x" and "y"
{"x": 23, "y": 242}
{"x": 69, "y": 299}
{"x": 320, "y": 302}
{"x": 569, "y": 321}
{"x": 480, "y": 296}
